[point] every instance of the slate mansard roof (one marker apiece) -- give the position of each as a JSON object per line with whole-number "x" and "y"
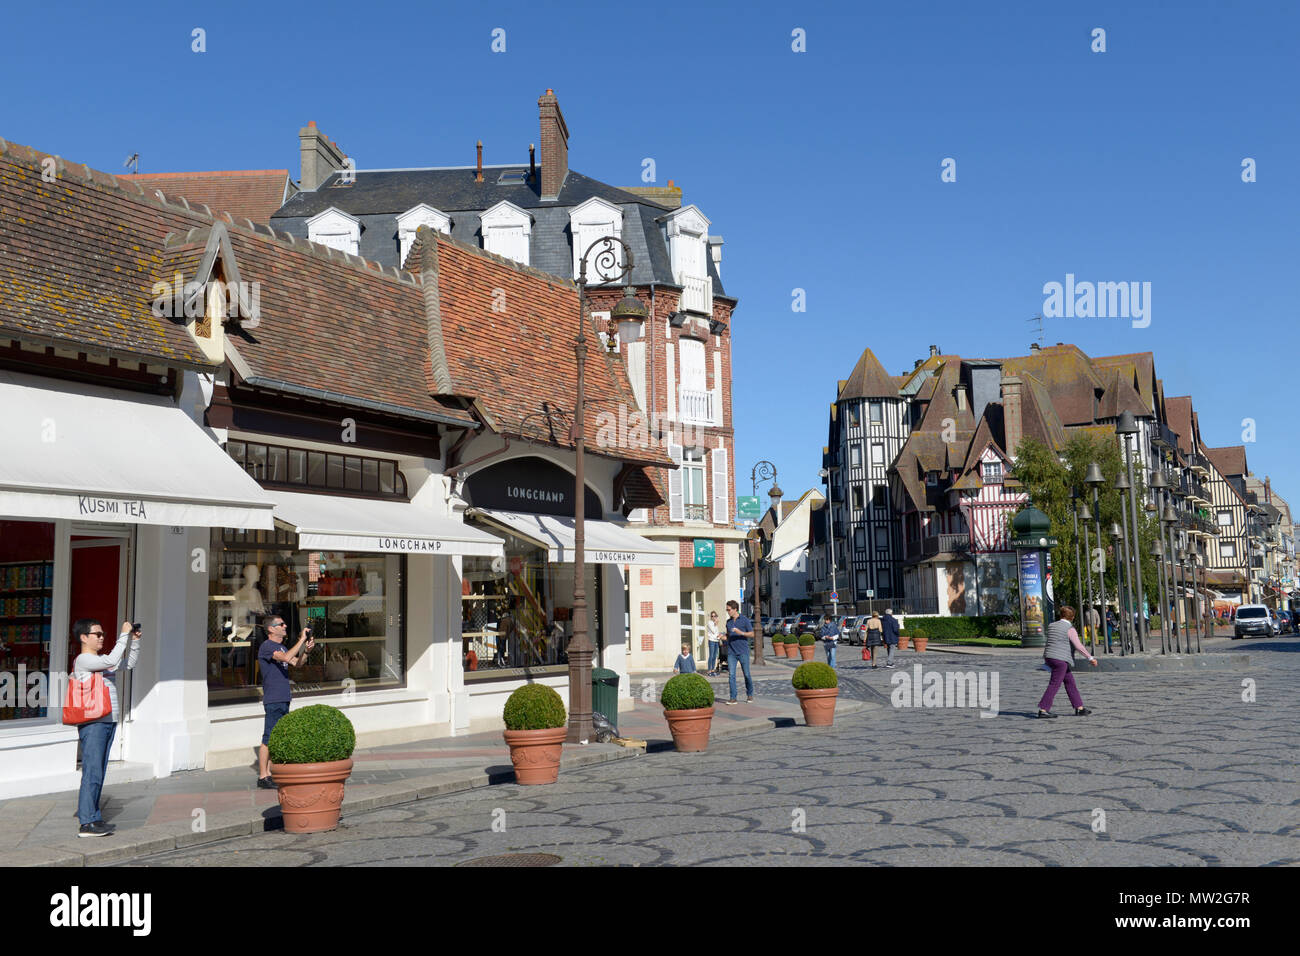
{"x": 378, "y": 197}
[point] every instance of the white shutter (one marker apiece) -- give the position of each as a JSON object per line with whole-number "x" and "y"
{"x": 693, "y": 374}
{"x": 676, "y": 512}
{"x": 720, "y": 483}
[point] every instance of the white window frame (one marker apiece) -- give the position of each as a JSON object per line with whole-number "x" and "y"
{"x": 877, "y": 454}
{"x": 335, "y": 229}
{"x": 855, "y": 455}
{"x": 409, "y": 222}
{"x": 589, "y": 221}
{"x": 1224, "y": 513}
{"x": 876, "y": 412}
{"x": 1227, "y": 549}
{"x": 985, "y": 473}
{"x": 502, "y": 226}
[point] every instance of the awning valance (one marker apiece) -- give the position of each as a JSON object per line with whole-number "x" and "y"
{"x": 605, "y": 542}
{"x": 71, "y": 450}
{"x": 328, "y": 523}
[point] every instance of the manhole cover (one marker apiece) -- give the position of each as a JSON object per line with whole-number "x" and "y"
{"x": 514, "y": 859}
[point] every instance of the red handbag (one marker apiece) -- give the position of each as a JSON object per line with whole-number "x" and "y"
{"x": 866, "y": 653}
{"x": 86, "y": 702}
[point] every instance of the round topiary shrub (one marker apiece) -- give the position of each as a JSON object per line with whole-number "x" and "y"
{"x": 534, "y": 707}
{"x": 687, "y": 692}
{"x": 315, "y": 734}
{"x": 814, "y": 675}
{"x": 919, "y": 634}
{"x": 791, "y": 639}
{"x": 807, "y": 640}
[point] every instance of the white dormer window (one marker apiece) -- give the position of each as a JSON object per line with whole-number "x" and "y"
{"x": 415, "y": 217}
{"x": 688, "y": 253}
{"x": 595, "y": 219}
{"x": 506, "y": 231}
{"x": 336, "y": 229}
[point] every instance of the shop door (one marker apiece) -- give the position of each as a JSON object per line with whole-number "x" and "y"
{"x": 693, "y": 630}
{"x": 99, "y": 578}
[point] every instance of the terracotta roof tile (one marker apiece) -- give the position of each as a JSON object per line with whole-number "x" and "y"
{"x": 1228, "y": 461}
{"x": 253, "y": 194}
{"x": 868, "y": 380}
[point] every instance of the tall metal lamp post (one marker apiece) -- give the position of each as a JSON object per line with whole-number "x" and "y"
{"x": 627, "y": 318}
{"x": 1168, "y": 518}
{"x": 1094, "y": 480}
{"x": 1158, "y": 552}
{"x": 1124, "y": 487}
{"x": 1078, "y": 571}
{"x": 1085, "y": 516}
{"x": 1159, "y": 488}
{"x": 761, "y": 472}
{"x": 1121, "y": 586}
{"x": 830, "y": 534}
{"x": 1125, "y": 427}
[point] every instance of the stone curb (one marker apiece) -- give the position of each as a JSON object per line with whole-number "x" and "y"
{"x": 1168, "y": 662}
{"x": 146, "y": 841}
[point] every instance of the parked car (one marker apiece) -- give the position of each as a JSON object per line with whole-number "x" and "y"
{"x": 851, "y": 629}
{"x": 1287, "y": 620}
{"x": 784, "y": 624}
{"x": 807, "y": 623}
{"x": 1252, "y": 620}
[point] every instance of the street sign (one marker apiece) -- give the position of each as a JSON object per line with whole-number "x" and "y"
{"x": 835, "y": 595}
{"x": 747, "y": 507}
{"x": 870, "y": 593}
{"x": 704, "y": 552}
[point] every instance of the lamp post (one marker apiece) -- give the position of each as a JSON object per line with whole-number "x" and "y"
{"x": 1158, "y": 552}
{"x": 1123, "y": 486}
{"x": 1078, "y": 571}
{"x": 1125, "y": 427}
{"x": 762, "y": 471}
{"x": 1188, "y": 567}
{"x": 1168, "y": 518}
{"x": 830, "y": 535}
{"x": 1085, "y": 515}
{"x": 1094, "y": 480}
{"x": 628, "y": 315}
{"x": 1116, "y": 535}
{"x": 1196, "y": 599}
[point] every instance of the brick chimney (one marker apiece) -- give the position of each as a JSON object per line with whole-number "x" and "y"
{"x": 1012, "y": 414}
{"x": 321, "y": 157}
{"x": 555, "y": 145}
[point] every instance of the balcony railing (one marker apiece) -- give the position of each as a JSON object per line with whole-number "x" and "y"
{"x": 938, "y": 544}
{"x": 1198, "y": 461}
{"x": 697, "y": 408}
{"x": 1162, "y": 434}
{"x": 697, "y": 294}
{"x": 695, "y": 512}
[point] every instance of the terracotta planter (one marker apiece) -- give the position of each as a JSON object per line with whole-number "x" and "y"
{"x": 903, "y": 642}
{"x": 806, "y": 651}
{"x": 690, "y": 728}
{"x": 778, "y": 649}
{"x": 311, "y": 794}
{"x": 919, "y": 643}
{"x": 536, "y": 754}
{"x": 818, "y": 706}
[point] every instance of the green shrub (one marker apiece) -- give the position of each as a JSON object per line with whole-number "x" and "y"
{"x": 807, "y": 640}
{"x": 918, "y": 633}
{"x": 942, "y": 627}
{"x": 315, "y": 734}
{"x": 534, "y": 707}
{"x": 687, "y": 692}
{"x": 814, "y": 675}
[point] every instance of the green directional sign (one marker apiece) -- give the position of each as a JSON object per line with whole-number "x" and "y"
{"x": 747, "y": 508}
{"x": 704, "y": 553}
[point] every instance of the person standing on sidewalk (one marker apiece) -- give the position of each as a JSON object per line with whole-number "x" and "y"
{"x": 1092, "y": 621}
{"x": 889, "y": 633}
{"x": 97, "y": 736}
{"x": 739, "y": 631}
{"x": 715, "y": 642}
{"x": 1056, "y": 654}
{"x": 829, "y": 634}
{"x": 875, "y": 638}
{"x": 274, "y": 662}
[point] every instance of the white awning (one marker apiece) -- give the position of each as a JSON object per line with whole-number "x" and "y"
{"x": 328, "y": 523}
{"x": 606, "y": 543}
{"x": 69, "y": 450}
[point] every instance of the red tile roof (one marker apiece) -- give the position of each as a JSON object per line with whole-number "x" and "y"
{"x": 1228, "y": 461}
{"x": 254, "y": 194}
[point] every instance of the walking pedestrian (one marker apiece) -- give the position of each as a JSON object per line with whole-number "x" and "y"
{"x": 875, "y": 637}
{"x": 97, "y": 735}
{"x": 274, "y": 662}
{"x": 715, "y": 642}
{"x": 1061, "y": 635}
{"x": 1112, "y": 622}
{"x": 889, "y": 628}
{"x": 739, "y": 631}
{"x": 1092, "y": 621}
{"x": 830, "y": 634}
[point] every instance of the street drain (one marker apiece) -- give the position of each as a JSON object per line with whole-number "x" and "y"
{"x": 515, "y": 859}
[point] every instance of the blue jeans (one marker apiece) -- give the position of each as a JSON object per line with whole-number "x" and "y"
{"x": 889, "y": 653}
{"x": 713, "y": 654}
{"x": 830, "y": 652}
{"x": 96, "y": 742}
{"x": 739, "y": 654}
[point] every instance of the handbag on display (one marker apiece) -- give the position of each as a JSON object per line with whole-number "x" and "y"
{"x": 86, "y": 702}
{"x": 336, "y": 666}
{"x": 360, "y": 666}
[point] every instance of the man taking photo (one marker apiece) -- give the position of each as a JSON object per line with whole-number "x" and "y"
{"x": 274, "y": 662}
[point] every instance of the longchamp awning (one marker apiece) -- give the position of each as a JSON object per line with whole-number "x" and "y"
{"x": 328, "y": 523}
{"x": 90, "y": 452}
{"x": 605, "y": 542}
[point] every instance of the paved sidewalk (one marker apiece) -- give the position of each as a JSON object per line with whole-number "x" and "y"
{"x": 193, "y": 807}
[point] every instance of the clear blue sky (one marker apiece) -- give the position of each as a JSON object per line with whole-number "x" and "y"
{"x": 820, "y": 169}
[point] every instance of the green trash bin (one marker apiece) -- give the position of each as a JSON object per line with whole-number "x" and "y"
{"x": 604, "y": 693}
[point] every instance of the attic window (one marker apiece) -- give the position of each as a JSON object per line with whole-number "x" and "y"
{"x": 931, "y": 479}
{"x": 992, "y": 472}
{"x": 513, "y": 177}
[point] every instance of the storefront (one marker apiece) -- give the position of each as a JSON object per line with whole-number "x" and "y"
{"x": 95, "y": 483}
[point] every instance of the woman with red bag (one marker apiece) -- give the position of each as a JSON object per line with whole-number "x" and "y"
{"x": 97, "y": 734}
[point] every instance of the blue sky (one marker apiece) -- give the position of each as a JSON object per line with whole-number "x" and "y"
{"x": 820, "y": 169}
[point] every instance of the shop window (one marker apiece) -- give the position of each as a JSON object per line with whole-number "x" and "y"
{"x": 275, "y": 465}
{"x": 517, "y": 613}
{"x": 26, "y": 606}
{"x": 354, "y": 603}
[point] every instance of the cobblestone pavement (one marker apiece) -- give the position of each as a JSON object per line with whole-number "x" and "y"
{"x": 1171, "y": 769}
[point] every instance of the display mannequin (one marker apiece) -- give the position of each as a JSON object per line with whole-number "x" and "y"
{"x": 248, "y": 604}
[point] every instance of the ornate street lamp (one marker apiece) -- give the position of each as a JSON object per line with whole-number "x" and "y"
{"x": 1085, "y": 516}
{"x": 1124, "y": 486}
{"x": 631, "y": 315}
{"x": 1158, "y": 552}
{"x": 1169, "y": 518}
{"x": 1078, "y": 571}
{"x": 1094, "y": 480}
{"x": 1121, "y": 584}
{"x": 761, "y": 472}
{"x": 1125, "y": 427}
{"x": 1158, "y": 486}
